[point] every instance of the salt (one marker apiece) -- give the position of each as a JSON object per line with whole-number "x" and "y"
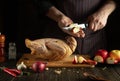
{"x": 12, "y": 51}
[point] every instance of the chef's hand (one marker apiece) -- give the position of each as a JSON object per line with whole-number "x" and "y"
{"x": 97, "y": 21}
{"x": 65, "y": 21}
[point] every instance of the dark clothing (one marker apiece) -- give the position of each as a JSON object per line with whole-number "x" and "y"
{"x": 78, "y": 11}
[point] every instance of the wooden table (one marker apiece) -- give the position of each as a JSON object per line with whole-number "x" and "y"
{"x": 109, "y": 72}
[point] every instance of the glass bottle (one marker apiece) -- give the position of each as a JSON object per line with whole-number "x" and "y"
{"x": 12, "y": 51}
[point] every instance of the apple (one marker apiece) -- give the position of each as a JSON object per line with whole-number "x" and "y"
{"x": 101, "y": 55}
{"x": 111, "y": 60}
{"x": 99, "y": 59}
{"x": 75, "y": 60}
{"x": 81, "y": 59}
{"x": 75, "y": 29}
{"x": 115, "y": 54}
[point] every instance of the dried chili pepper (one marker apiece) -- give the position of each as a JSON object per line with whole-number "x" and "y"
{"x": 16, "y": 71}
{"x": 13, "y": 72}
{"x": 9, "y": 72}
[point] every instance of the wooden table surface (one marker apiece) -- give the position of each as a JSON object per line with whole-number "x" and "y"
{"x": 108, "y": 72}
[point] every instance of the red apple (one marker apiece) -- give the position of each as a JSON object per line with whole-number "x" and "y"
{"x": 99, "y": 59}
{"x": 115, "y": 54}
{"x": 111, "y": 60}
{"x": 103, "y": 53}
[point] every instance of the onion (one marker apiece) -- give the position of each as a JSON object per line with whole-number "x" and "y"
{"x": 38, "y": 66}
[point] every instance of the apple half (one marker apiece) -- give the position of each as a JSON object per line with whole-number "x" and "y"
{"x": 101, "y": 55}
{"x": 111, "y": 60}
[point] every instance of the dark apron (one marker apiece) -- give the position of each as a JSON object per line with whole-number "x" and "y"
{"x": 78, "y": 11}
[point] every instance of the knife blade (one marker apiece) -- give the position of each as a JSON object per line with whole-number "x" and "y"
{"x": 83, "y": 26}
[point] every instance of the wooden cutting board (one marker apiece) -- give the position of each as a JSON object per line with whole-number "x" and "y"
{"x": 29, "y": 59}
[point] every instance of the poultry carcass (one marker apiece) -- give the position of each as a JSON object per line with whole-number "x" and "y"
{"x": 52, "y": 48}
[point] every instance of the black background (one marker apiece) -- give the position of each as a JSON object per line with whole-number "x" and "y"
{"x": 19, "y": 19}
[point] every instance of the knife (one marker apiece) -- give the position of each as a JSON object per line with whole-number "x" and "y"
{"x": 83, "y": 26}
{"x": 94, "y": 77}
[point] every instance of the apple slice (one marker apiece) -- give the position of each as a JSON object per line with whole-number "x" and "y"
{"x": 75, "y": 60}
{"x": 75, "y": 29}
{"x": 99, "y": 59}
{"x": 111, "y": 60}
{"x": 86, "y": 61}
{"x": 81, "y": 59}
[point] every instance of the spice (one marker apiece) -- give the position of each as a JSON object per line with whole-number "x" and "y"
{"x": 12, "y": 51}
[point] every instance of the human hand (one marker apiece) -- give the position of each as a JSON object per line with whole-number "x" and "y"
{"x": 65, "y": 21}
{"x": 97, "y": 21}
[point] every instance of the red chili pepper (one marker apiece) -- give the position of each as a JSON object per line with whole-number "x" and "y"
{"x": 13, "y": 72}
{"x": 9, "y": 72}
{"x": 16, "y": 71}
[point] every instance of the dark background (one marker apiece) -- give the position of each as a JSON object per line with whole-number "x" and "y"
{"x": 19, "y": 19}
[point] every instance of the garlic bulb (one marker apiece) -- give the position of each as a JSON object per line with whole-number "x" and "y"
{"x": 21, "y": 66}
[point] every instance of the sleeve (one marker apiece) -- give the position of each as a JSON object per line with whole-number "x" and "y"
{"x": 43, "y": 5}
